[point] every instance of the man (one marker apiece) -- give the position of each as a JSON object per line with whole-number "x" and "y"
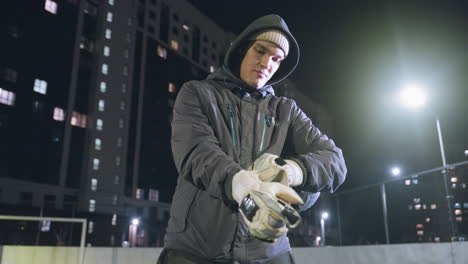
{"x": 242, "y": 153}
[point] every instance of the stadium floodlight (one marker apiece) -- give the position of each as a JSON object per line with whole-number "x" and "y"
{"x": 396, "y": 171}
{"x": 413, "y": 95}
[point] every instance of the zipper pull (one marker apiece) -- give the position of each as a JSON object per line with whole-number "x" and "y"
{"x": 233, "y": 133}
{"x": 268, "y": 120}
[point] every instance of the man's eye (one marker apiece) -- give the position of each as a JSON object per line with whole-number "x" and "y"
{"x": 275, "y": 59}
{"x": 259, "y": 51}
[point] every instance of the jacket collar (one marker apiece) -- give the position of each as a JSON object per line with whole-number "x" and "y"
{"x": 238, "y": 86}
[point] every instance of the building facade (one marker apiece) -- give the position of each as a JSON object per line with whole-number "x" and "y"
{"x": 86, "y": 94}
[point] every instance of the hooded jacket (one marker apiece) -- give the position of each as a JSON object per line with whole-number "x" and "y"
{"x": 220, "y": 126}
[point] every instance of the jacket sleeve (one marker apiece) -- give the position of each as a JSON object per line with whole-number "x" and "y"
{"x": 197, "y": 154}
{"x": 321, "y": 160}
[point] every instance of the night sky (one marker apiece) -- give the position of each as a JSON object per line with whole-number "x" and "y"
{"x": 356, "y": 56}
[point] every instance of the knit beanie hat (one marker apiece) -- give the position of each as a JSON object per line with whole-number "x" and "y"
{"x": 275, "y": 37}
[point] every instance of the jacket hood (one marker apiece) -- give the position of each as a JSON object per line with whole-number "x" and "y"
{"x": 261, "y": 24}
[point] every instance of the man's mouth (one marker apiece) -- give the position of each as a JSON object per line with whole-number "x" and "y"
{"x": 261, "y": 74}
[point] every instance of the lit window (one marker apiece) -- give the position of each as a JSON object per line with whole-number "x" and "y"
{"x": 174, "y": 45}
{"x": 139, "y": 194}
{"x": 454, "y": 185}
{"x": 458, "y": 212}
{"x": 124, "y": 87}
{"x": 99, "y": 124}
{"x": 90, "y": 223}
{"x": 40, "y": 86}
{"x": 108, "y": 33}
{"x": 436, "y": 239}
{"x": 97, "y": 144}
{"x": 50, "y": 6}
{"x": 96, "y": 163}
{"x": 410, "y": 207}
{"x": 465, "y": 205}
{"x": 433, "y": 206}
{"x": 172, "y": 88}
{"x": 92, "y": 205}
{"x": 457, "y": 205}
{"x": 463, "y": 185}
{"x": 125, "y": 70}
{"x": 78, "y": 120}
{"x": 94, "y": 183}
{"x": 419, "y": 226}
{"x": 114, "y": 219}
{"x": 115, "y": 199}
{"x": 111, "y": 2}
{"x": 428, "y": 220}
{"x": 45, "y": 226}
{"x": 103, "y": 87}
{"x": 123, "y": 105}
{"x": 121, "y": 123}
{"x": 454, "y": 179}
{"x": 414, "y": 181}
{"x": 186, "y": 27}
{"x": 417, "y": 207}
{"x": 109, "y": 16}
{"x": 101, "y": 105}
{"x": 407, "y": 182}
{"x": 117, "y": 161}
{"x": 7, "y": 97}
{"x": 59, "y": 114}
{"x": 162, "y": 52}
{"x": 105, "y": 69}
{"x": 459, "y": 218}
{"x": 106, "y": 51}
{"x": 153, "y": 195}
{"x": 420, "y": 232}
{"x": 212, "y": 68}
{"x": 116, "y": 179}
{"x": 416, "y": 200}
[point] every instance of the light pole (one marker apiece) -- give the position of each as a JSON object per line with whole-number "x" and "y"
{"x": 322, "y": 225}
{"x": 395, "y": 171}
{"x": 133, "y": 231}
{"x": 413, "y": 96}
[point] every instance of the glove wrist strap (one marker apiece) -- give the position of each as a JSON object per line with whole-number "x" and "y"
{"x": 295, "y": 178}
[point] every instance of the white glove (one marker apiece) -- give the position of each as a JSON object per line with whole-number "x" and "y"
{"x": 271, "y": 168}
{"x": 265, "y": 206}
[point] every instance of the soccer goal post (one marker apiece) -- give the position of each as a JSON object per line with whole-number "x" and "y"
{"x": 83, "y": 222}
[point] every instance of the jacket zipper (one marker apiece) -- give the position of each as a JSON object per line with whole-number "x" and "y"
{"x": 266, "y": 122}
{"x": 232, "y": 125}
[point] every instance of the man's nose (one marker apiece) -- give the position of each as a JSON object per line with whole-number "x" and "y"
{"x": 265, "y": 62}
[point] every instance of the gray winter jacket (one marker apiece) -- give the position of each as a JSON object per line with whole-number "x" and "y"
{"x": 220, "y": 126}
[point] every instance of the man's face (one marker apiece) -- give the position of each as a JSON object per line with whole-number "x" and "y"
{"x": 260, "y": 63}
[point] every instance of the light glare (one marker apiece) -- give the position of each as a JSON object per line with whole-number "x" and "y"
{"x": 135, "y": 221}
{"x": 324, "y": 215}
{"x": 413, "y": 96}
{"x": 396, "y": 171}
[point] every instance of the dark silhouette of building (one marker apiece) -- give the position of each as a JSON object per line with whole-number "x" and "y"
{"x": 86, "y": 94}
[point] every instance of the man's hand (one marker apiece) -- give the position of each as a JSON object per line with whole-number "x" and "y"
{"x": 265, "y": 206}
{"x": 272, "y": 168}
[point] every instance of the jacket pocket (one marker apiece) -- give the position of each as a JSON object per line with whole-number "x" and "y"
{"x": 181, "y": 203}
